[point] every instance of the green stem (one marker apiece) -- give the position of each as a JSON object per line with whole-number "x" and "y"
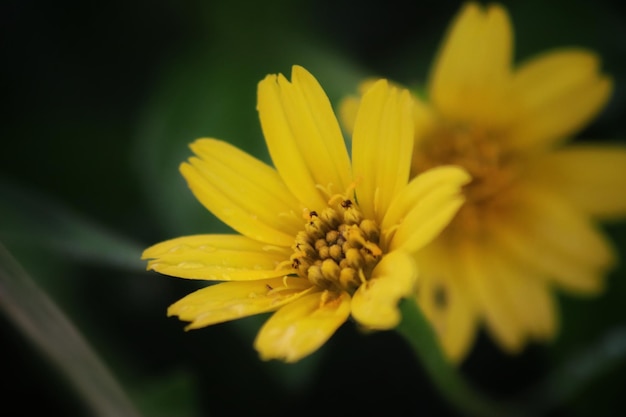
{"x": 458, "y": 391}
{"x": 560, "y": 385}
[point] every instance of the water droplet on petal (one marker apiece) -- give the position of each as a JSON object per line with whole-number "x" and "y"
{"x": 178, "y": 248}
{"x": 190, "y": 265}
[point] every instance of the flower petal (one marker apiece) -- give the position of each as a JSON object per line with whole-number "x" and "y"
{"x": 301, "y": 327}
{"x": 425, "y": 207}
{"x": 485, "y": 284}
{"x": 243, "y": 192}
{"x": 375, "y": 303}
{"x": 592, "y": 178}
{"x": 426, "y": 120}
{"x": 348, "y": 109}
{"x": 217, "y": 257}
{"x": 550, "y": 236}
{"x": 349, "y": 106}
{"x": 560, "y": 93}
{"x": 528, "y": 295}
{"x": 382, "y": 147}
{"x": 233, "y": 300}
{"x": 303, "y": 136}
{"x": 473, "y": 65}
{"x": 443, "y": 296}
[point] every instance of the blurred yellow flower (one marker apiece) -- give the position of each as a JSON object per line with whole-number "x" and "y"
{"x": 321, "y": 237}
{"x": 528, "y": 223}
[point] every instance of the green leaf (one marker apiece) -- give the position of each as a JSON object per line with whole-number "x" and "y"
{"x": 31, "y": 219}
{"x": 40, "y": 320}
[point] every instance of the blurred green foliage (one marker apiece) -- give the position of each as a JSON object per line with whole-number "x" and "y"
{"x": 101, "y": 100}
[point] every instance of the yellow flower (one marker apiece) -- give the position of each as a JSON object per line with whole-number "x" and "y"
{"x": 527, "y": 226}
{"x": 321, "y": 237}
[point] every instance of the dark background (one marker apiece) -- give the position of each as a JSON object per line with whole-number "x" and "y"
{"x": 100, "y": 102}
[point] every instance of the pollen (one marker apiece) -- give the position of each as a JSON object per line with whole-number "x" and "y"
{"x": 338, "y": 248}
{"x": 482, "y": 154}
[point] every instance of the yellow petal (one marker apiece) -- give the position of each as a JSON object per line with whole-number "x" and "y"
{"x": 382, "y": 147}
{"x": 349, "y": 106}
{"x": 473, "y": 65}
{"x": 232, "y": 300}
{"x": 425, "y": 121}
{"x": 375, "y": 303}
{"x": 217, "y": 257}
{"x": 560, "y": 93}
{"x": 243, "y": 192}
{"x": 528, "y": 295}
{"x": 443, "y": 296}
{"x": 565, "y": 228}
{"x": 553, "y": 238}
{"x": 420, "y": 187}
{"x": 301, "y": 327}
{"x": 591, "y": 177}
{"x": 485, "y": 284}
{"x": 425, "y": 207}
{"x": 303, "y": 136}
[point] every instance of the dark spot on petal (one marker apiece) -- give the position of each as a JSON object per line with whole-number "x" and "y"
{"x": 440, "y": 296}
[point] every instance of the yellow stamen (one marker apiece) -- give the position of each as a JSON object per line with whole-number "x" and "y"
{"x": 337, "y": 249}
{"x": 492, "y": 167}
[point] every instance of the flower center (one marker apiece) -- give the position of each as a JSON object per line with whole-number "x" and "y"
{"x": 492, "y": 167}
{"x": 338, "y": 248}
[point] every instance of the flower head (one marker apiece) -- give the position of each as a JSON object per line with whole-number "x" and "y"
{"x": 527, "y": 224}
{"x": 321, "y": 237}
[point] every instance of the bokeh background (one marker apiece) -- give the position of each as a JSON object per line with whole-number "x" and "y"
{"x": 100, "y": 102}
